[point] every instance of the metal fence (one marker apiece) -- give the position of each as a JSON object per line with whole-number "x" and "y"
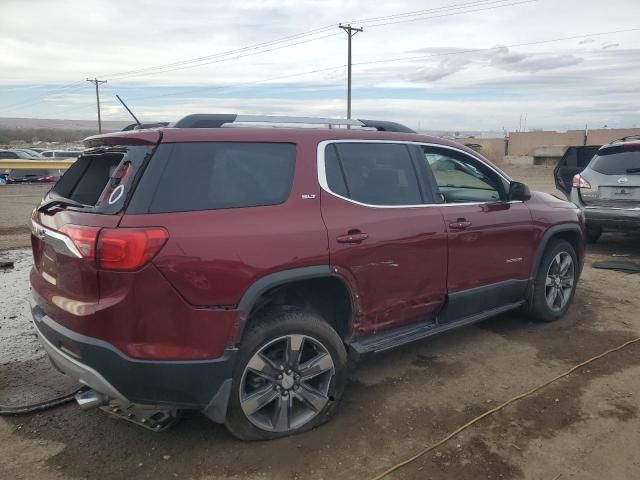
{"x": 35, "y": 164}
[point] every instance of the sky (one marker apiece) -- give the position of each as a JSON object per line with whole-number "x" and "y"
{"x": 482, "y": 65}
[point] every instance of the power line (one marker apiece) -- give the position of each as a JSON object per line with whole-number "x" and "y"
{"x": 222, "y": 54}
{"x": 237, "y": 57}
{"x": 456, "y": 6}
{"x": 515, "y": 45}
{"x": 390, "y": 60}
{"x": 220, "y": 57}
{"x": 45, "y": 94}
{"x": 494, "y": 7}
{"x": 261, "y": 47}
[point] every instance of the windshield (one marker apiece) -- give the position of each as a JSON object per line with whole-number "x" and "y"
{"x": 617, "y": 162}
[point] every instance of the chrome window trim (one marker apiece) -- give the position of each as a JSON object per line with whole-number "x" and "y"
{"x": 60, "y": 242}
{"x": 322, "y": 173}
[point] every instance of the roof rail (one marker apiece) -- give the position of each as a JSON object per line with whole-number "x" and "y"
{"x": 217, "y": 120}
{"x": 628, "y": 137}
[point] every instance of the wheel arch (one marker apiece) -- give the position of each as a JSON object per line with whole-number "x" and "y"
{"x": 570, "y": 232}
{"x": 313, "y": 288}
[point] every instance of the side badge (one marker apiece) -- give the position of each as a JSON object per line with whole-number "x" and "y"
{"x": 308, "y": 196}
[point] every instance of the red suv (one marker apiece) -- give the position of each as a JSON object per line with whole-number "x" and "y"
{"x": 231, "y": 270}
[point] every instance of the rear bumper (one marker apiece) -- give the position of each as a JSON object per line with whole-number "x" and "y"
{"x": 202, "y": 385}
{"x": 619, "y": 218}
{"x": 611, "y": 217}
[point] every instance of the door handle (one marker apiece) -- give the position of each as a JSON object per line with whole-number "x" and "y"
{"x": 460, "y": 224}
{"x": 352, "y": 237}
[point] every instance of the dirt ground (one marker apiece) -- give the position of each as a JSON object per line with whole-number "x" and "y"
{"x": 586, "y": 426}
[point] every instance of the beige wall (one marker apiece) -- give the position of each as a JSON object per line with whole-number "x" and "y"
{"x": 524, "y": 143}
{"x": 492, "y": 148}
{"x": 600, "y": 137}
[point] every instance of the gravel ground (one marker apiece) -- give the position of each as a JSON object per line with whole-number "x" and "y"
{"x": 16, "y": 204}
{"x": 586, "y": 426}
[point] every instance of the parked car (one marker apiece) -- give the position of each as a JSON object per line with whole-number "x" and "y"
{"x": 232, "y": 270}
{"x": 574, "y": 160}
{"x": 17, "y": 154}
{"x": 61, "y": 154}
{"x": 608, "y": 189}
{"x": 9, "y": 155}
{"x": 33, "y": 176}
{"x": 29, "y": 153}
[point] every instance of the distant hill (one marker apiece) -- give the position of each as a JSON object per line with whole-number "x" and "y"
{"x": 55, "y": 124}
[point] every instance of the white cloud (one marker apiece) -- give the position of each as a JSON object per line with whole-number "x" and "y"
{"x": 83, "y": 38}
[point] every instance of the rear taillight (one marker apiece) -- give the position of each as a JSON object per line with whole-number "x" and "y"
{"x": 124, "y": 249}
{"x": 128, "y": 249}
{"x": 84, "y": 238}
{"x": 579, "y": 182}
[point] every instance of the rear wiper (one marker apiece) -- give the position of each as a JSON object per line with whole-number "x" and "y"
{"x": 60, "y": 203}
{"x": 633, "y": 170}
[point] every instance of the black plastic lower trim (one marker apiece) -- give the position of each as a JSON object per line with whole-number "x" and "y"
{"x": 400, "y": 336}
{"x": 180, "y": 384}
{"x": 481, "y": 299}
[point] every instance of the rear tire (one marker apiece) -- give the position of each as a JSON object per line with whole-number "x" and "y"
{"x": 276, "y": 388}
{"x": 555, "y": 282}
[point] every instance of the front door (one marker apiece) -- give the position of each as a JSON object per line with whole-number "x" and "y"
{"x": 382, "y": 234}
{"x": 491, "y": 240}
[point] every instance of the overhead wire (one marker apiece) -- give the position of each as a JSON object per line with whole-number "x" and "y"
{"x": 277, "y": 44}
{"x": 388, "y": 60}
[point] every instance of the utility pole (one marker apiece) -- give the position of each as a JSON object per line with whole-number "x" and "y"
{"x": 350, "y": 31}
{"x": 97, "y": 82}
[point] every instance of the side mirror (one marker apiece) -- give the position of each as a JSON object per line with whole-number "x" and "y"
{"x": 519, "y": 192}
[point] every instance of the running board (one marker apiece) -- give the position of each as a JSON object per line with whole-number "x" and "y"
{"x": 389, "y": 339}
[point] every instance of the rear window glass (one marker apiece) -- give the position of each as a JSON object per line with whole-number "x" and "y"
{"x": 373, "y": 173}
{"x": 617, "y": 162}
{"x": 216, "y": 175}
{"x": 102, "y": 178}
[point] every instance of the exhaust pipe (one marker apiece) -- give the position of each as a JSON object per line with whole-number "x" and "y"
{"x": 90, "y": 399}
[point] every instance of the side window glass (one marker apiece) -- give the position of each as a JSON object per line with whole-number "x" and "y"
{"x": 460, "y": 179}
{"x": 335, "y": 175}
{"x": 376, "y": 173}
{"x": 216, "y": 175}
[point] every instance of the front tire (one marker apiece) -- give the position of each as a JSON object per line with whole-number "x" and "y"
{"x": 289, "y": 377}
{"x": 555, "y": 282}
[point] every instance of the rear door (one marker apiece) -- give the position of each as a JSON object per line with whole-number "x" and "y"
{"x": 383, "y": 237}
{"x": 491, "y": 240}
{"x": 574, "y": 160}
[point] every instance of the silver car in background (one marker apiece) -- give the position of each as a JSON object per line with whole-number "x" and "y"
{"x": 608, "y": 189}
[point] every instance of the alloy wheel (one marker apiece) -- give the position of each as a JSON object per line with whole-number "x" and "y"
{"x": 559, "y": 281}
{"x": 286, "y": 383}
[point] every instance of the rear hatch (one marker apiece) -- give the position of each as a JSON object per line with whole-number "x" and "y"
{"x": 574, "y": 160}
{"x": 89, "y": 199}
{"x": 614, "y": 177}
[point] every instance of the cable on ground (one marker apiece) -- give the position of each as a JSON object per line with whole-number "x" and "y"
{"x": 38, "y": 407}
{"x": 498, "y": 408}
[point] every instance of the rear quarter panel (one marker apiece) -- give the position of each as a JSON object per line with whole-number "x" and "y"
{"x": 213, "y": 256}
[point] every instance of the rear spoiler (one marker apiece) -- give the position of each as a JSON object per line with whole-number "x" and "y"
{"x": 133, "y": 137}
